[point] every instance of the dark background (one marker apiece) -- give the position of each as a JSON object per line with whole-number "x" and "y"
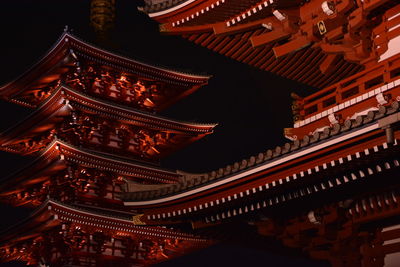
{"x": 252, "y": 107}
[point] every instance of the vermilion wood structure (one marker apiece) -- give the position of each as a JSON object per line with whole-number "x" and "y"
{"x": 100, "y": 74}
{"x": 334, "y": 194}
{"x": 331, "y": 192}
{"x": 315, "y": 42}
{"x": 65, "y": 235}
{"x": 91, "y": 122}
{"x": 92, "y": 135}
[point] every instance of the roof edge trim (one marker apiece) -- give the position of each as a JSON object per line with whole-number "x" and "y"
{"x": 169, "y": 10}
{"x": 254, "y": 170}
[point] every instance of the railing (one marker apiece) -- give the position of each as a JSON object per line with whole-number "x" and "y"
{"x": 352, "y": 87}
{"x": 365, "y": 81}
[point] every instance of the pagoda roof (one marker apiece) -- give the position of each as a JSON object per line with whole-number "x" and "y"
{"x": 56, "y": 156}
{"x": 65, "y": 99}
{"x": 60, "y": 58}
{"x": 53, "y": 213}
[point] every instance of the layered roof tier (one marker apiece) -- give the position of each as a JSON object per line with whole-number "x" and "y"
{"x": 65, "y": 172}
{"x": 91, "y": 238}
{"x": 99, "y": 124}
{"x": 102, "y": 74}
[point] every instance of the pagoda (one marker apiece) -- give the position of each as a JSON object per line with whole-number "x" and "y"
{"x": 93, "y": 135}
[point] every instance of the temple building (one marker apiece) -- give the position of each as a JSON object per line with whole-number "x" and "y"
{"x": 331, "y": 191}
{"x": 99, "y": 196}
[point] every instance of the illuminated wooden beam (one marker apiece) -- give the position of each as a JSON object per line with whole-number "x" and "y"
{"x": 269, "y": 37}
{"x": 335, "y": 48}
{"x": 328, "y": 65}
{"x": 291, "y": 46}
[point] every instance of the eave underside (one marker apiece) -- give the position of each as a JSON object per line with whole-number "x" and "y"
{"x": 70, "y": 52}
{"x": 60, "y": 228}
{"x": 312, "y": 42}
{"x": 302, "y": 65}
{"x": 64, "y": 100}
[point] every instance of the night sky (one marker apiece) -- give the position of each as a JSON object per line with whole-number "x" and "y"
{"x": 252, "y": 107}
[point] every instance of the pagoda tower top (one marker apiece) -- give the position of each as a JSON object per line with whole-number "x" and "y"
{"x": 118, "y": 78}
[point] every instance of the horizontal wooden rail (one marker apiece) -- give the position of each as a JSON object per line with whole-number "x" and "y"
{"x": 352, "y": 87}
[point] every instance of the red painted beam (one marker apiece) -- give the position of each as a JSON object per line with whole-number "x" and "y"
{"x": 291, "y": 46}
{"x": 269, "y": 37}
{"x": 328, "y": 65}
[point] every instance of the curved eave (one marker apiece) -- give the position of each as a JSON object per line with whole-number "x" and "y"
{"x": 126, "y": 224}
{"x": 50, "y": 108}
{"x": 57, "y": 104}
{"x": 173, "y": 10}
{"x": 195, "y": 11}
{"x": 51, "y": 213}
{"x": 124, "y": 166}
{"x": 134, "y": 66}
{"x": 243, "y": 175}
{"x": 301, "y": 65}
{"x": 54, "y": 56}
{"x": 244, "y": 35}
{"x": 134, "y": 115}
{"x": 30, "y": 227}
{"x": 360, "y": 171}
{"x": 58, "y": 54}
{"x": 52, "y": 159}
{"x": 35, "y": 172}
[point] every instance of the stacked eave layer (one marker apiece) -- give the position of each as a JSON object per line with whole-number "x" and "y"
{"x": 69, "y": 50}
{"x": 51, "y": 217}
{"x": 58, "y": 154}
{"x": 65, "y": 100}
